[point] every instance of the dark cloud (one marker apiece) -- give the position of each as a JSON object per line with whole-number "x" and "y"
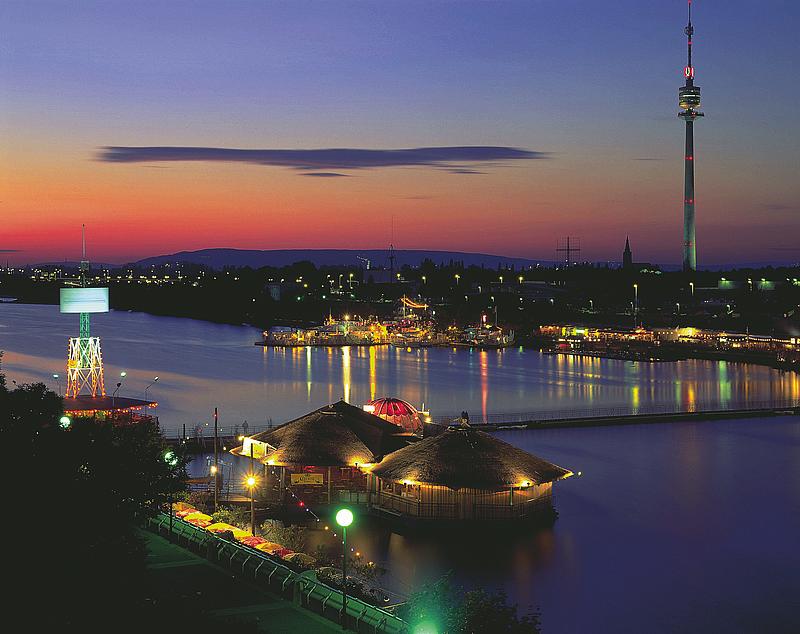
{"x": 10, "y": 251}
{"x": 463, "y": 170}
{"x": 778, "y": 207}
{"x": 451, "y": 158}
{"x": 323, "y": 174}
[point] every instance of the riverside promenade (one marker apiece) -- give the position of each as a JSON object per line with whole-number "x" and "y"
{"x": 199, "y": 587}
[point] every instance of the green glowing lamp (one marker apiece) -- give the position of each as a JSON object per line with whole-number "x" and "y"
{"x": 65, "y": 422}
{"x": 171, "y": 458}
{"x": 344, "y": 517}
{"x": 426, "y": 627}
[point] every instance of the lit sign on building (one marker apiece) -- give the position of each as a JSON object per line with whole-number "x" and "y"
{"x": 307, "y": 478}
{"x": 84, "y": 300}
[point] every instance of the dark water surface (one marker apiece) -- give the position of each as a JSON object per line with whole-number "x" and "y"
{"x": 678, "y": 527}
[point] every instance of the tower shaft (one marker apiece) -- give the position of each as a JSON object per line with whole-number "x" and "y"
{"x": 689, "y": 248}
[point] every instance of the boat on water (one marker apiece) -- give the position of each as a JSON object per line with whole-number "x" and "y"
{"x": 333, "y": 333}
{"x": 7, "y": 300}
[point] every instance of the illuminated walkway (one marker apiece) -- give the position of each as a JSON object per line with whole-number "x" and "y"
{"x": 196, "y": 586}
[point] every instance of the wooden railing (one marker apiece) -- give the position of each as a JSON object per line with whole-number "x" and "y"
{"x": 416, "y": 508}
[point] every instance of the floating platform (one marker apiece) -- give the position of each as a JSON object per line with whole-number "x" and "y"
{"x": 87, "y": 405}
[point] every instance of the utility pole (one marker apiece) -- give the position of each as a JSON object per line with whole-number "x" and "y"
{"x": 216, "y": 461}
{"x": 252, "y": 492}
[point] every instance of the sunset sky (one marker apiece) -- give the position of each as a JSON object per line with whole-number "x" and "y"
{"x": 567, "y": 108}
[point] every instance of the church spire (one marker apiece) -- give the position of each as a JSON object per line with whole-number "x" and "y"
{"x": 627, "y": 256}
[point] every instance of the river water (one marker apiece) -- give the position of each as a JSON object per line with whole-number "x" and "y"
{"x": 681, "y": 527}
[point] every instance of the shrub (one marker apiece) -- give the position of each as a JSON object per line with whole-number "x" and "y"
{"x": 293, "y": 537}
{"x": 238, "y": 517}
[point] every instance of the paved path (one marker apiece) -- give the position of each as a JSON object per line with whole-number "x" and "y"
{"x": 179, "y": 576}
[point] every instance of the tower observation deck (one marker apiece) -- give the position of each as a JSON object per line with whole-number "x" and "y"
{"x": 689, "y": 101}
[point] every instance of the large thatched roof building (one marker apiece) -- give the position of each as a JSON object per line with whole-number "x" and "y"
{"x": 337, "y": 435}
{"x": 463, "y": 474}
{"x": 322, "y": 452}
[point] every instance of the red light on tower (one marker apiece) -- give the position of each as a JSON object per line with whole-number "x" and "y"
{"x": 688, "y": 72}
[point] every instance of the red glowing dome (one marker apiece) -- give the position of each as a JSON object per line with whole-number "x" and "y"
{"x": 398, "y": 412}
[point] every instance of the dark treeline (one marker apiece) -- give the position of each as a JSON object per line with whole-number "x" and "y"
{"x": 304, "y": 294}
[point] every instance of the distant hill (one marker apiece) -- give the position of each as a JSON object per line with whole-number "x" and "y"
{"x": 219, "y": 258}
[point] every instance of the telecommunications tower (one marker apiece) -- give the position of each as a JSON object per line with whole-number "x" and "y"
{"x": 689, "y": 100}
{"x": 85, "y": 360}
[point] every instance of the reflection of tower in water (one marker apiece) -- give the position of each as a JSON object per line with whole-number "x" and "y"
{"x": 484, "y": 366}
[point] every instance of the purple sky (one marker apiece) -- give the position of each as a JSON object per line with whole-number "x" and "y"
{"x": 567, "y": 110}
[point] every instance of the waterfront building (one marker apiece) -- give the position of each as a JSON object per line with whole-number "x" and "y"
{"x": 320, "y": 455}
{"x": 463, "y": 474}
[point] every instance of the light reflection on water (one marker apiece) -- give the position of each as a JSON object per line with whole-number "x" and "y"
{"x": 204, "y": 365}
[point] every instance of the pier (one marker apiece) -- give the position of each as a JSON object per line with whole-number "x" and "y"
{"x": 595, "y": 417}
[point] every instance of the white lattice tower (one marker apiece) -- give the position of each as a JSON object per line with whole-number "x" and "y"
{"x": 85, "y": 367}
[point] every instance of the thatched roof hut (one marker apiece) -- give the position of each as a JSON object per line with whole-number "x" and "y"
{"x": 337, "y": 435}
{"x": 463, "y": 474}
{"x": 467, "y": 458}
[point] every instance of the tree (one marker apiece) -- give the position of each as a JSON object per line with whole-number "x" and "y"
{"x": 78, "y": 488}
{"x": 445, "y": 608}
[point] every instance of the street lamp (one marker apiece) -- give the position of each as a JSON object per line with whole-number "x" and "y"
{"x": 251, "y": 484}
{"x": 520, "y": 278}
{"x": 344, "y": 517}
{"x": 424, "y": 280}
{"x": 458, "y": 277}
{"x": 351, "y": 281}
{"x": 153, "y": 382}
{"x": 591, "y": 306}
{"x": 58, "y": 383}
{"x": 635, "y": 304}
{"x": 171, "y": 458}
{"x": 122, "y": 376}
{"x": 501, "y": 280}
{"x": 691, "y": 286}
